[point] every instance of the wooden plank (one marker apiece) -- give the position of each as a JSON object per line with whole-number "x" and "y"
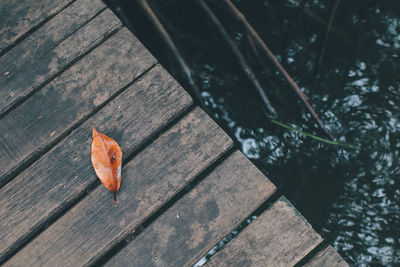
{"x": 327, "y": 257}
{"x": 45, "y": 53}
{"x": 197, "y": 222}
{"x": 62, "y": 174}
{"x": 18, "y": 17}
{"x": 279, "y": 237}
{"x": 26, "y": 81}
{"x": 90, "y": 228}
{"x": 48, "y": 36}
{"x": 69, "y": 99}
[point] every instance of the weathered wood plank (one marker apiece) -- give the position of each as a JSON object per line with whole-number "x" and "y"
{"x": 327, "y": 258}
{"x": 17, "y": 17}
{"x": 279, "y": 237}
{"x": 157, "y": 173}
{"x": 64, "y": 172}
{"x": 38, "y": 58}
{"x": 48, "y": 36}
{"x": 197, "y": 222}
{"x": 69, "y": 98}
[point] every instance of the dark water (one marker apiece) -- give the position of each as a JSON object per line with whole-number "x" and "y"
{"x": 351, "y": 197}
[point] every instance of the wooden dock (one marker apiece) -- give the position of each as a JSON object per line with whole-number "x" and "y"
{"x": 68, "y": 65}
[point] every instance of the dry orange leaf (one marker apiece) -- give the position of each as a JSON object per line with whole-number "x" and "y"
{"x": 107, "y": 161}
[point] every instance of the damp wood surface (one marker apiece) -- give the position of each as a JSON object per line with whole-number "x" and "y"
{"x": 68, "y": 65}
{"x": 18, "y": 17}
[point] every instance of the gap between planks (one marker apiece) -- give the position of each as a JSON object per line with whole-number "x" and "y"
{"x": 327, "y": 257}
{"x": 156, "y": 175}
{"x": 168, "y": 104}
{"x": 52, "y": 111}
{"x": 25, "y": 81}
{"x": 142, "y": 227}
{"x": 280, "y": 236}
{"x": 197, "y": 221}
{"x": 8, "y": 45}
{"x": 245, "y": 223}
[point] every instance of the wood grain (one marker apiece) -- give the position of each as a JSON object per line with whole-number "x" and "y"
{"x": 156, "y": 174}
{"x": 33, "y": 62}
{"x": 197, "y": 222}
{"x": 327, "y": 257}
{"x": 279, "y": 237}
{"x": 18, "y": 17}
{"x": 69, "y": 98}
{"x": 48, "y": 36}
{"x": 63, "y": 173}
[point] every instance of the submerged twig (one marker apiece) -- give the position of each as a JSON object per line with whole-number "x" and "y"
{"x": 242, "y": 19}
{"x": 246, "y": 68}
{"x": 164, "y": 34}
{"x": 325, "y": 40}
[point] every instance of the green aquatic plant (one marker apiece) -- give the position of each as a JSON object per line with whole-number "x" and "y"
{"x": 331, "y": 142}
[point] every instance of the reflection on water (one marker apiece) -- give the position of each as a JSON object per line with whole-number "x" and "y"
{"x": 351, "y": 197}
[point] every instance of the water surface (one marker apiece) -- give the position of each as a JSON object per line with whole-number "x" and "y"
{"x": 350, "y": 196}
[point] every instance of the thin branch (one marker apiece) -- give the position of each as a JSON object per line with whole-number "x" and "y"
{"x": 164, "y": 34}
{"x": 242, "y": 19}
{"x": 327, "y": 32}
{"x": 246, "y": 68}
